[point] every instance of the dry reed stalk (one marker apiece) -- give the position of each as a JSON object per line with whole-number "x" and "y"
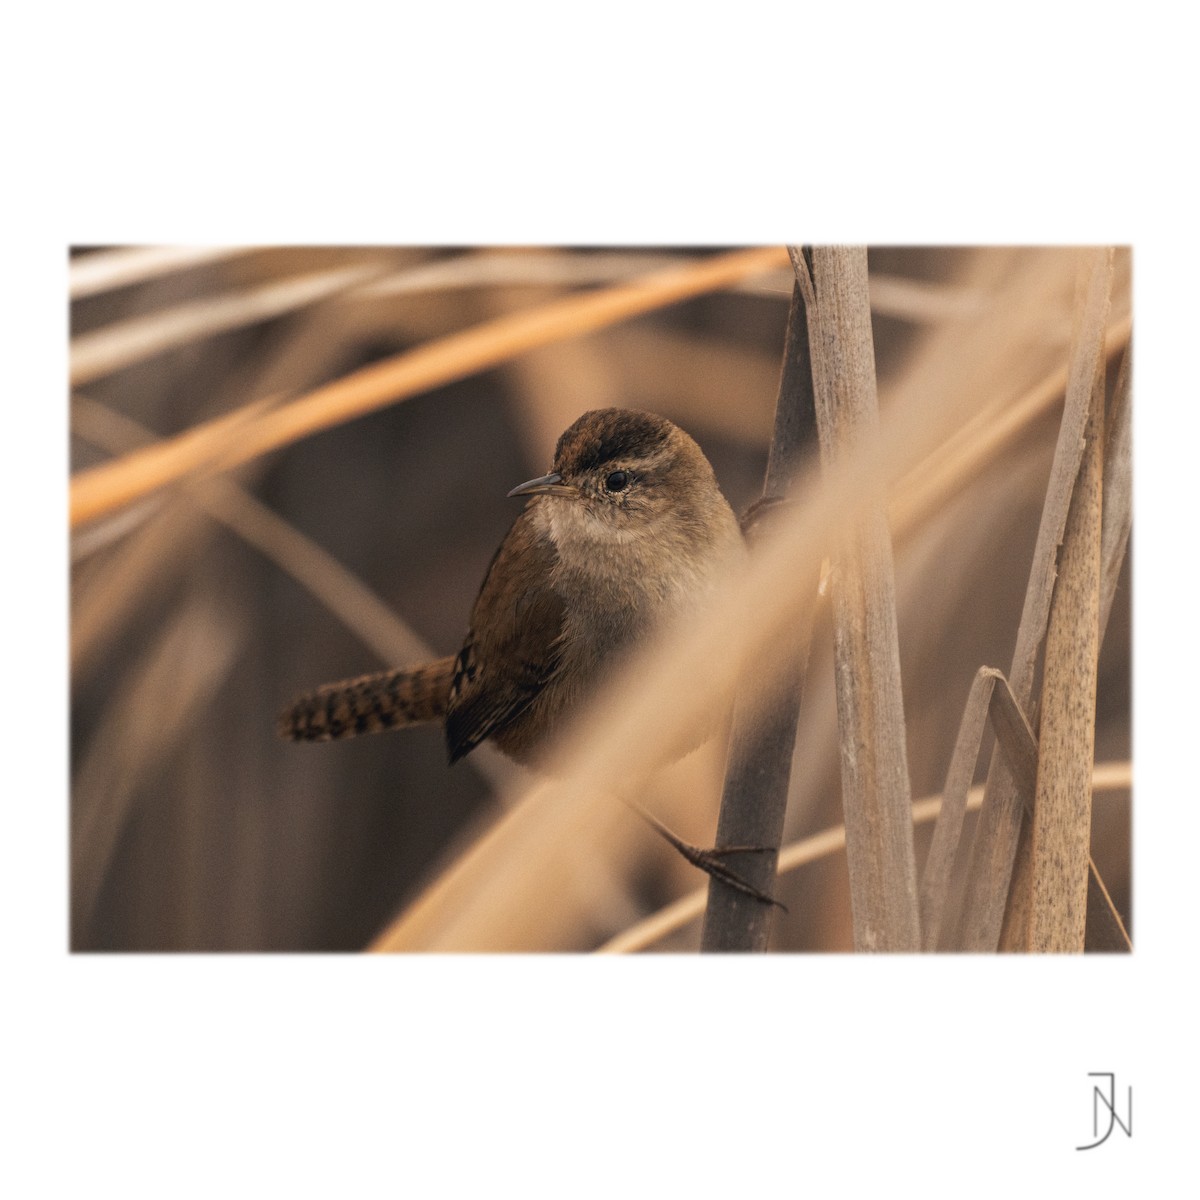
{"x": 674, "y": 916}
{"x": 1014, "y": 932}
{"x": 215, "y": 446}
{"x": 1017, "y": 742}
{"x": 106, "y": 270}
{"x": 997, "y": 831}
{"x": 763, "y": 741}
{"x": 874, "y": 756}
{"x": 947, "y": 831}
{"x": 114, "y": 347}
{"x": 1062, "y": 813}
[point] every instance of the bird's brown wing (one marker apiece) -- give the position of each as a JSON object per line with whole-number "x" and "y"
{"x": 512, "y": 648}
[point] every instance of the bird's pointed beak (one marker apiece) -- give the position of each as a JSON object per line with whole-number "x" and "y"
{"x": 546, "y": 485}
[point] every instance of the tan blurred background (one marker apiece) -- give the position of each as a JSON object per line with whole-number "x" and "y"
{"x": 198, "y": 613}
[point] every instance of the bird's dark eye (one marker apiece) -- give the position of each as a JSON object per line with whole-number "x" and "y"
{"x": 618, "y": 481}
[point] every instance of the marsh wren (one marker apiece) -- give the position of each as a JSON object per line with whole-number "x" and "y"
{"x": 627, "y": 530}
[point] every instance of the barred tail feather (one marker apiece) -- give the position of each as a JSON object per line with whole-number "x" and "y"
{"x": 370, "y": 703}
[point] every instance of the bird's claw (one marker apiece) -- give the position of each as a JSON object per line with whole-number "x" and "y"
{"x": 709, "y": 860}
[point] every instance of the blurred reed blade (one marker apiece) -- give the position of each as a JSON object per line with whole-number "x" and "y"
{"x": 175, "y": 678}
{"x": 104, "y": 533}
{"x": 107, "y": 270}
{"x": 675, "y": 916}
{"x": 115, "y": 347}
{"x": 874, "y": 757}
{"x": 101, "y": 489}
{"x": 996, "y": 833}
{"x": 763, "y": 740}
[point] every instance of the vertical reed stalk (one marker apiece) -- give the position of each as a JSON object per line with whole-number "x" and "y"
{"x": 1062, "y": 814}
{"x": 763, "y": 741}
{"x": 875, "y": 785}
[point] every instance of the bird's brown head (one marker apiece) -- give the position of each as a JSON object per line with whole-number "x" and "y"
{"x": 618, "y": 471}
